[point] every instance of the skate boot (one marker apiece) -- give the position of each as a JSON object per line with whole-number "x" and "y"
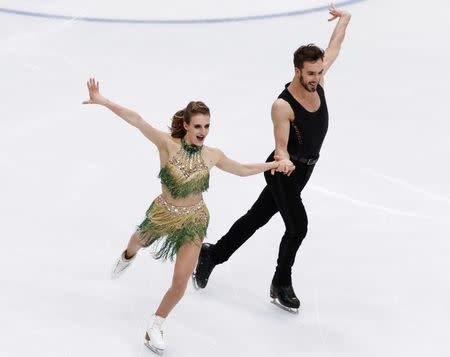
{"x": 205, "y": 266}
{"x": 120, "y": 266}
{"x": 154, "y": 336}
{"x": 284, "y": 297}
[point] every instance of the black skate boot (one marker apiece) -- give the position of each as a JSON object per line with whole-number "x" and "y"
{"x": 284, "y": 297}
{"x": 205, "y": 266}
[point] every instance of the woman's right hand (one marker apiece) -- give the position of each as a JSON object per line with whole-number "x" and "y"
{"x": 94, "y": 93}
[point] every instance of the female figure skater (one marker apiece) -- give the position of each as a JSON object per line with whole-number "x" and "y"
{"x": 177, "y": 220}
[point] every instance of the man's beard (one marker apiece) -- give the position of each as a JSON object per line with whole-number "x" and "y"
{"x": 305, "y": 85}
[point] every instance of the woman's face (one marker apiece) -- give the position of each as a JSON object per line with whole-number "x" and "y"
{"x": 197, "y": 129}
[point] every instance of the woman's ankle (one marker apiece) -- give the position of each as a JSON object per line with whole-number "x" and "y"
{"x": 127, "y": 256}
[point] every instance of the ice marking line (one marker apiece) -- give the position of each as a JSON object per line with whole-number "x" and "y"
{"x": 179, "y": 21}
{"x": 322, "y": 336}
{"x": 367, "y": 204}
{"x": 12, "y": 44}
{"x": 408, "y": 186}
{"x": 53, "y": 29}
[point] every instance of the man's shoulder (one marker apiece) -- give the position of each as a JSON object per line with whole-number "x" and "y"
{"x": 280, "y": 104}
{"x": 281, "y": 110}
{"x": 284, "y": 93}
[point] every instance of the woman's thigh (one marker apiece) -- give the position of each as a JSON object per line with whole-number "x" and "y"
{"x": 186, "y": 260}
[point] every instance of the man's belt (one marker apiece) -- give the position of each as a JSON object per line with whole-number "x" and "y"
{"x": 308, "y": 161}
{"x": 304, "y": 160}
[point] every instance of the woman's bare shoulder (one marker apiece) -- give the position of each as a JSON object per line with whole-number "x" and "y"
{"x": 212, "y": 155}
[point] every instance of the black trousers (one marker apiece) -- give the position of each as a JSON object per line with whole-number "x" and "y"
{"x": 281, "y": 194}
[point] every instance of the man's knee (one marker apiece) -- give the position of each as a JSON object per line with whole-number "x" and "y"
{"x": 297, "y": 232}
{"x": 297, "y": 225}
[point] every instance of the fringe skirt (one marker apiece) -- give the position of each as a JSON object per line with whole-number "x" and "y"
{"x": 169, "y": 227}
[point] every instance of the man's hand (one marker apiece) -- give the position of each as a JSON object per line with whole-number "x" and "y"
{"x": 335, "y": 13}
{"x": 334, "y": 46}
{"x": 284, "y": 165}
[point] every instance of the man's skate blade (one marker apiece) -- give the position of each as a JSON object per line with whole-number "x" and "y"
{"x": 194, "y": 282}
{"x": 285, "y": 308}
{"x": 152, "y": 348}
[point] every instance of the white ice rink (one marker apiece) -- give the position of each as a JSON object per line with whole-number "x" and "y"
{"x": 373, "y": 272}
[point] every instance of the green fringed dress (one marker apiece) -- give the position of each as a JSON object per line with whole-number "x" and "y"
{"x": 166, "y": 226}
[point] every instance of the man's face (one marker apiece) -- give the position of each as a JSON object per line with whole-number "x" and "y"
{"x": 310, "y": 75}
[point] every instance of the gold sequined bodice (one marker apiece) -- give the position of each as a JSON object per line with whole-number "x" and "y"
{"x": 185, "y": 172}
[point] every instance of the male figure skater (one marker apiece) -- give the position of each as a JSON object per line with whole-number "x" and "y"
{"x": 300, "y": 119}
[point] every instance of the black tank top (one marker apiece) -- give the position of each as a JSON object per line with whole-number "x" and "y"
{"x": 308, "y": 129}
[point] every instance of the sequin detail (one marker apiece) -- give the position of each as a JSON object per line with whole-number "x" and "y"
{"x": 167, "y": 227}
{"x": 190, "y": 149}
{"x": 297, "y": 133}
{"x": 185, "y": 172}
{"x": 180, "y": 209}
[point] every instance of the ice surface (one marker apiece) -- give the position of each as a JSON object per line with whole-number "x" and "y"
{"x": 372, "y": 274}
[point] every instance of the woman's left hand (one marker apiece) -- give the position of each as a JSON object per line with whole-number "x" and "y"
{"x": 284, "y": 165}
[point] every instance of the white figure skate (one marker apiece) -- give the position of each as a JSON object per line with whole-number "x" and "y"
{"x": 121, "y": 265}
{"x": 154, "y": 337}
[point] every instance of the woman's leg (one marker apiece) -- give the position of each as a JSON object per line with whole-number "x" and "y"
{"x": 184, "y": 266}
{"x": 134, "y": 245}
{"x": 127, "y": 257}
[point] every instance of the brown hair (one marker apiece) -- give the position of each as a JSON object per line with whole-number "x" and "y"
{"x": 184, "y": 116}
{"x": 307, "y": 53}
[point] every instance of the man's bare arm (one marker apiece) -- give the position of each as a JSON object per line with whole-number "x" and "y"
{"x": 334, "y": 46}
{"x": 281, "y": 126}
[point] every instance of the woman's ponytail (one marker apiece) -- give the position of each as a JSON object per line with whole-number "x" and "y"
{"x": 177, "y": 129}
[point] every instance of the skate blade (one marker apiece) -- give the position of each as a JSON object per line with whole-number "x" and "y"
{"x": 285, "y": 308}
{"x": 114, "y": 275}
{"x": 154, "y": 349}
{"x": 194, "y": 282}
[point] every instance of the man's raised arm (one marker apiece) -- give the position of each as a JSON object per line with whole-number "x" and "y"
{"x": 337, "y": 37}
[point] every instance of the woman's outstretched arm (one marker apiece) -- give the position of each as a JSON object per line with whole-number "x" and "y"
{"x": 156, "y": 136}
{"x": 226, "y": 164}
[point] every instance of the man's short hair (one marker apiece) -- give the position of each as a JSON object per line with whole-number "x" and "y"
{"x": 307, "y": 53}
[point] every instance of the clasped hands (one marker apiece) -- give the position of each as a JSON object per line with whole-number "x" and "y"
{"x": 284, "y": 165}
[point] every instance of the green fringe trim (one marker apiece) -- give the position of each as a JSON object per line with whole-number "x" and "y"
{"x": 190, "y": 149}
{"x": 166, "y": 245}
{"x": 182, "y": 190}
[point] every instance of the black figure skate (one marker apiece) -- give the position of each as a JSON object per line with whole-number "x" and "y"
{"x": 284, "y": 297}
{"x": 205, "y": 266}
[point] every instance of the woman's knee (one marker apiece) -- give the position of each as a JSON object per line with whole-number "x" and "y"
{"x": 179, "y": 284}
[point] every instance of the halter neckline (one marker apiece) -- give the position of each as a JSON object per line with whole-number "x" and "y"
{"x": 190, "y": 149}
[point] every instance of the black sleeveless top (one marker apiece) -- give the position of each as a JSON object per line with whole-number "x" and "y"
{"x": 308, "y": 129}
